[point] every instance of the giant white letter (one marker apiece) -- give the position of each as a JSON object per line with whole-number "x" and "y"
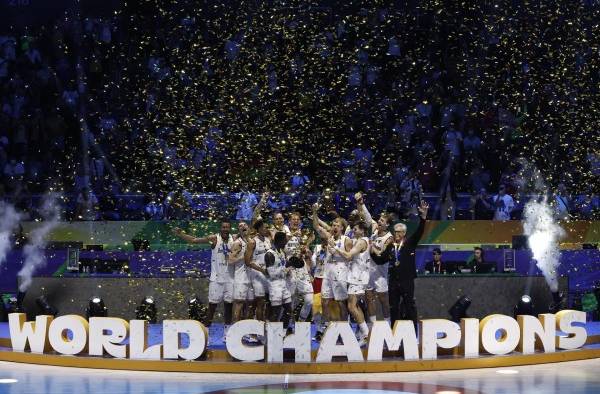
{"x": 138, "y": 342}
{"x": 544, "y": 327}
{"x": 329, "y": 347}
{"x": 59, "y": 340}
{"x": 107, "y": 333}
{"x": 576, "y": 336}
{"x": 23, "y": 332}
{"x": 430, "y": 329}
{"x": 403, "y": 334}
{"x": 236, "y": 347}
{"x": 277, "y": 341}
{"x": 196, "y": 333}
{"x": 469, "y": 340}
{"x": 509, "y": 340}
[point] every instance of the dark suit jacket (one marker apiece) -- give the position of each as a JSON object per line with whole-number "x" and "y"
{"x": 406, "y": 267}
{"x": 429, "y": 267}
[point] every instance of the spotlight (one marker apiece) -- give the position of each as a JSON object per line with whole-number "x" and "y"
{"x": 14, "y": 306}
{"x": 524, "y": 307}
{"x": 197, "y": 310}
{"x": 45, "y": 306}
{"x": 146, "y": 310}
{"x": 557, "y": 302}
{"x": 96, "y": 308}
{"x": 459, "y": 309}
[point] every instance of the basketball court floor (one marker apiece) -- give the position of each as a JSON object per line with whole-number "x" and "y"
{"x": 577, "y": 377}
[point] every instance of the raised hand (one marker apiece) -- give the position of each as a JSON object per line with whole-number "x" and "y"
{"x": 315, "y": 207}
{"x": 177, "y": 231}
{"x": 359, "y": 198}
{"x": 423, "y": 209}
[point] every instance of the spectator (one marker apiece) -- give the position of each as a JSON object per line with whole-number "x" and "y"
{"x": 154, "y": 210}
{"x": 411, "y": 195}
{"x": 480, "y": 178}
{"x": 246, "y": 206}
{"x": 87, "y": 205}
{"x": 481, "y": 206}
{"x": 299, "y": 181}
{"x": 562, "y": 203}
{"x": 472, "y": 143}
{"x": 503, "y": 204}
{"x": 452, "y": 142}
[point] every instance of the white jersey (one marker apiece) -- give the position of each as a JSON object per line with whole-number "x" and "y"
{"x": 277, "y": 272}
{"x": 320, "y": 257}
{"x": 261, "y": 247}
{"x": 379, "y": 241}
{"x": 285, "y": 229}
{"x": 241, "y": 270}
{"x": 293, "y": 245}
{"x": 358, "y": 273}
{"x": 220, "y": 271}
{"x": 337, "y": 266}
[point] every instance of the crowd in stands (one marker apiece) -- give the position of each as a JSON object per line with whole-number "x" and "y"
{"x": 191, "y": 110}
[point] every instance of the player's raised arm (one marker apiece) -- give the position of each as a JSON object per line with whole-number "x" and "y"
{"x": 259, "y": 207}
{"x": 210, "y": 239}
{"x": 323, "y": 233}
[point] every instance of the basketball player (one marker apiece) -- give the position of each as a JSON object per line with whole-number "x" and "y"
{"x": 318, "y": 260}
{"x": 335, "y": 285}
{"x": 242, "y": 288}
{"x": 255, "y": 260}
{"x": 299, "y": 281}
{"x": 358, "y": 276}
{"x": 220, "y": 287}
{"x": 377, "y": 289}
{"x": 278, "y": 271}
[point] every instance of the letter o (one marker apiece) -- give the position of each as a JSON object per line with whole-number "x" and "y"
{"x": 509, "y": 340}
{"x": 59, "y": 340}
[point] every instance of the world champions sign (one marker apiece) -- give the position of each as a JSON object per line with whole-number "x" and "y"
{"x": 495, "y": 335}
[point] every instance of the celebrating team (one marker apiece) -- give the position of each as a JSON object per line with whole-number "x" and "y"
{"x": 265, "y": 270}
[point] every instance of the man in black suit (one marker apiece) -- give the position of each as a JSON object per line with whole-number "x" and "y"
{"x": 400, "y": 255}
{"x": 435, "y": 266}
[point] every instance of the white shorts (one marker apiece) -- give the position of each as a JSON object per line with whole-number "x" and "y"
{"x": 299, "y": 287}
{"x": 260, "y": 284}
{"x": 336, "y": 289}
{"x": 243, "y": 291}
{"x": 279, "y": 294}
{"x": 377, "y": 283}
{"x": 356, "y": 289}
{"x": 219, "y": 292}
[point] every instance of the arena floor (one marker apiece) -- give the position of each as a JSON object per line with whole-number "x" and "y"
{"x": 578, "y": 377}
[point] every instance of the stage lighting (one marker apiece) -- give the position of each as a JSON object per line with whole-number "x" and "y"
{"x": 45, "y": 307}
{"x": 96, "y": 308}
{"x": 146, "y": 310}
{"x": 14, "y": 306}
{"x": 197, "y": 310}
{"x": 524, "y": 307}
{"x": 459, "y": 309}
{"x": 557, "y": 302}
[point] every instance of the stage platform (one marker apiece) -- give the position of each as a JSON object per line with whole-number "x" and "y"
{"x": 216, "y": 359}
{"x": 434, "y": 294}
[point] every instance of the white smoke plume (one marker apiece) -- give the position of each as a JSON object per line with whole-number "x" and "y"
{"x": 33, "y": 252}
{"x": 9, "y": 220}
{"x": 543, "y": 235}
